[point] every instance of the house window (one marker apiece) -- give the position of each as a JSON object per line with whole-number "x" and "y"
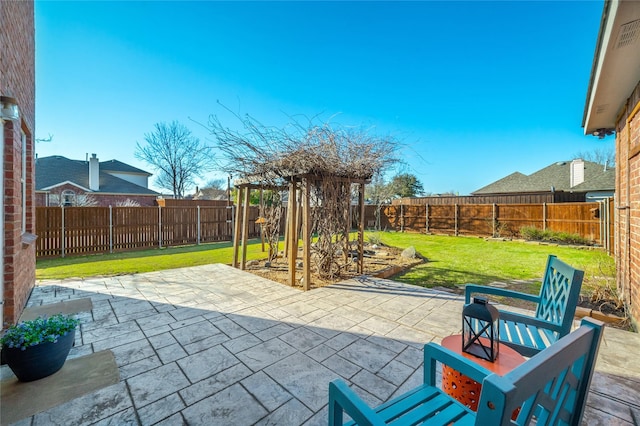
{"x": 23, "y": 182}
{"x": 68, "y": 198}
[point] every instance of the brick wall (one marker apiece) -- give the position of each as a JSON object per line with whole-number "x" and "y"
{"x": 627, "y": 218}
{"x": 17, "y": 80}
{"x": 112, "y": 200}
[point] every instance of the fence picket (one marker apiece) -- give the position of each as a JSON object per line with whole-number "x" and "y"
{"x": 494, "y": 219}
{"x": 70, "y": 231}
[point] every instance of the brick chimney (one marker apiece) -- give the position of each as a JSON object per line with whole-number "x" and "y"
{"x": 94, "y": 173}
{"x": 577, "y": 172}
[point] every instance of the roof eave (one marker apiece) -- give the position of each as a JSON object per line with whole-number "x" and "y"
{"x": 615, "y": 69}
{"x": 66, "y": 182}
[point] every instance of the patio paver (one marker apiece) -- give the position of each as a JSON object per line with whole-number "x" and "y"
{"x": 215, "y": 345}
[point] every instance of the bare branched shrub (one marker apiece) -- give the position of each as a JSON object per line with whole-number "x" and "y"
{"x": 330, "y": 158}
{"x": 271, "y": 210}
{"x": 86, "y": 200}
{"x": 273, "y": 155}
{"x": 330, "y": 218}
{"x": 127, "y": 203}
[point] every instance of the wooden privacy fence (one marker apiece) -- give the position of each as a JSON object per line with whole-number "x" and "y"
{"x": 68, "y": 231}
{"x": 589, "y": 220}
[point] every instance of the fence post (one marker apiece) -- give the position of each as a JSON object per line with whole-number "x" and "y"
{"x": 544, "y": 216}
{"x": 198, "y": 240}
{"x": 231, "y": 221}
{"x": 455, "y": 218}
{"x": 401, "y": 217}
{"x": 62, "y": 236}
{"x": 110, "y": 229}
{"x": 600, "y": 221}
{"x": 608, "y": 208}
{"x": 160, "y": 226}
{"x": 426, "y": 219}
{"x": 494, "y": 220}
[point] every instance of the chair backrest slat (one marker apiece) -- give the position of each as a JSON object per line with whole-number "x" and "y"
{"x": 552, "y": 385}
{"x": 559, "y": 293}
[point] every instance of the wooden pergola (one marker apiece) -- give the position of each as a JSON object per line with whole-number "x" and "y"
{"x": 298, "y": 217}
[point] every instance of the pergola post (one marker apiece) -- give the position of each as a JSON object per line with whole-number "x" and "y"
{"x": 286, "y": 227}
{"x": 361, "y": 229}
{"x": 306, "y": 234}
{"x": 293, "y": 234}
{"x": 347, "y": 227}
{"x": 261, "y": 210}
{"x": 245, "y": 228}
{"x": 236, "y": 228}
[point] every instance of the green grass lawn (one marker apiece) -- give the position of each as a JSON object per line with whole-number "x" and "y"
{"x": 142, "y": 261}
{"x": 462, "y": 260}
{"x": 452, "y": 260}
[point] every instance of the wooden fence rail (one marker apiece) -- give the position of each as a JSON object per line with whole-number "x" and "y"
{"x": 69, "y": 231}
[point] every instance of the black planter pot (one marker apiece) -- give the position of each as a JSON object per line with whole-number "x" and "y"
{"x": 39, "y": 361}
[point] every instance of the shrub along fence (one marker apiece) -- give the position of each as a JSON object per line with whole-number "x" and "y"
{"x": 593, "y": 221}
{"x": 68, "y": 231}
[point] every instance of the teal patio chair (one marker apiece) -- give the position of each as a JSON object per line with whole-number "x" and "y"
{"x": 555, "y": 309}
{"x": 549, "y": 389}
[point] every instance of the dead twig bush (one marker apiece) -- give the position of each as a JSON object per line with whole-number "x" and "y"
{"x": 332, "y": 159}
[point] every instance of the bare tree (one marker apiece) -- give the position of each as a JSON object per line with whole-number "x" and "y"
{"x": 216, "y": 184}
{"x": 215, "y": 189}
{"x": 379, "y": 193}
{"x": 605, "y": 156}
{"x": 176, "y": 155}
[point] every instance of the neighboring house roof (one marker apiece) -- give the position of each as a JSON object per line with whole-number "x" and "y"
{"x": 505, "y": 184}
{"x": 57, "y": 170}
{"x": 119, "y": 166}
{"x": 556, "y": 176}
{"x": 616, "y": 66}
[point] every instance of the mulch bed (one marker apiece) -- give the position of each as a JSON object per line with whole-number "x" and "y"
{"x": 380, "y": 258}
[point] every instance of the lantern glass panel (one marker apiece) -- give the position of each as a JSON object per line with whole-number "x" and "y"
{"x": 480, "y": 330}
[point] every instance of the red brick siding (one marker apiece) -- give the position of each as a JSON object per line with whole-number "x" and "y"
{"x": 41, "y": 199}
{"x": 627, "y": 218}
{"x": 112, "y": 200}
{"x": 17, "y": 79}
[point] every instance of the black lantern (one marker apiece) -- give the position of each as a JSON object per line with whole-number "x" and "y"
{"x": 480, "y": 332}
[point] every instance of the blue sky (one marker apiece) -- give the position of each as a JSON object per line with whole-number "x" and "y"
{"x": 473, "y": 90}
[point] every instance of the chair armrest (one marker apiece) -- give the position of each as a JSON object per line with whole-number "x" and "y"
{"x": 529, "y": 320}
{"x": 348, "y": 401}
{"x": 474, "y": 288}
{"x": 434, "y": 352}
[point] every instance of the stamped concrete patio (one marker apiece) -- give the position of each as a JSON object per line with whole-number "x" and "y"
{"x": 212, "y": 345}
